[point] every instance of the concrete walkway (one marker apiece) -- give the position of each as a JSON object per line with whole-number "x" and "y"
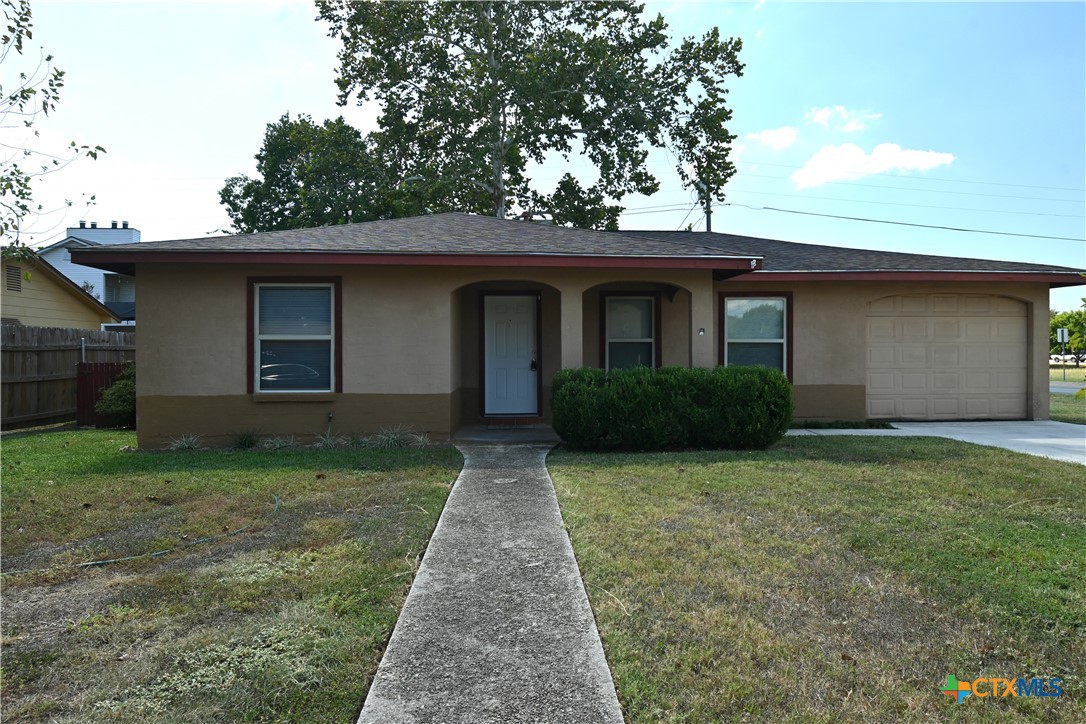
{"x": 1046, "y": 438}
{"x": 497, "y": 626}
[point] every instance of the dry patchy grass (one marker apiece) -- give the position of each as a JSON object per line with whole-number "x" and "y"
{"x": 285, "y": 621}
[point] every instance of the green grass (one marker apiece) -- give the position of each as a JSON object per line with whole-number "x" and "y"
{"x": 1074, "y": 374}
{"x": 831, "y": 578}
{"x": 1068, "y": 408}
{"x": 285, "y": 621}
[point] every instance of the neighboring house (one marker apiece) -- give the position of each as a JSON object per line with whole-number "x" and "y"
{"x": 452, "y": 319}
{"x": 116, "y": 291}
{"x": 33, "y": 293}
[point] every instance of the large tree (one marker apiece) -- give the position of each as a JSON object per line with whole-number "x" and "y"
{"x": 470, "y": 92}
{"x": 29, "y": 88}
{"x": 318, "y": 175}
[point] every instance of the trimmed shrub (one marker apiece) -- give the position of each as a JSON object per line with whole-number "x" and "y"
{"x": 118, "y": 402}
{"x": 577, "y": 407}
{"x": 673, "y": 407}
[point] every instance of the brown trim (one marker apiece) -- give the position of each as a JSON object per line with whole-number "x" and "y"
{"x": 538, "y": 294}
{"x": 114, "y": 261}
{"x": 250, "y": 331}
{"x": 789, "y": 335}
{"x": 1053, "y": 278}
{"x": 657, "y": 328}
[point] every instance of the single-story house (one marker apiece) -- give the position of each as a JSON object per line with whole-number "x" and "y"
{"x": 453, "y": 319}
{"x": 36, "y": 294}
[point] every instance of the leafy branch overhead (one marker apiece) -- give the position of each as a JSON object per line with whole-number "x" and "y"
{"x": 470, "y": 93}
{"x": 33, "y": 91}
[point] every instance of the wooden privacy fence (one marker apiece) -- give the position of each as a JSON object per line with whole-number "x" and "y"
{"x": 39, "y": 373}
{"x": 92, "y": 379}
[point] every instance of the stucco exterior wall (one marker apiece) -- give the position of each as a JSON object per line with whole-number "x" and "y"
{"x": 829, "y": 338}
{"x": 410, "y": 342}
{"x": 42, "y": 301}
{"x": 409, "y": 345}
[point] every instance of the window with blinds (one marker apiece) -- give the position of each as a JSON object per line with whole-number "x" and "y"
{"x": 630, "y": 336}
{"x": 754, "y": 332}
{"x": 294, "y": 334}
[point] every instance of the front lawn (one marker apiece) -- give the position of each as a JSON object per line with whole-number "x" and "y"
{"x": 282, "y": 621}
{"x": 832, "y": 578}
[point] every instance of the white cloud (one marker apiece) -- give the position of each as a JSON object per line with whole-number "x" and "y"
{"x": 759, "y": 5}
{"x": 776, "y": 138}
{"x": 848, "y": 161}
{"x": 842, "y": 118}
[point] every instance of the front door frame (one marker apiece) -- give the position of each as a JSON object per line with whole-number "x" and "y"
{"x": 538, "y": 294}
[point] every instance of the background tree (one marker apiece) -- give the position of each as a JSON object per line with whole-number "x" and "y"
{"x": 1074, "y": 322}
{"x": 26, "y": 94}
{"x": 319, "y": 175}
{"x": 471, "y": 92}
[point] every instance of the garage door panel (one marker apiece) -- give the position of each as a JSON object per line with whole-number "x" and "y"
{"x": 1010, "y": 407}
{"x": 880, "y": 329}
{"x": 1010, "y": 330}
{"x": 976, "y": 330}
{"x": 977, "y": 381}
{"x": 945, "y": 381}
{"x": 946, "y": 407}
{"x": 949, "y": 329}
{"x": 912, "y": 355}
{"x": 913, "y": 329}
{"x": 978, "y": 407}
{"x": 946, "y": 356}
{"x": 913, "y": 304}
{"x": 914, "y": 407}
{"x": 976, "y": 356}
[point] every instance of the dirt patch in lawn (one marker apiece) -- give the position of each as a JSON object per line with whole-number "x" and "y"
{"x": 283, "y": 621}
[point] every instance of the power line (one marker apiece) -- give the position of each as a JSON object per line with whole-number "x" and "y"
{"x": 903, "y": 223}
{"x": 931, "y": 178}
{"x": 928, "y": 191}
{"x": 918, "y": 206}
{"x": 686, "y": 217}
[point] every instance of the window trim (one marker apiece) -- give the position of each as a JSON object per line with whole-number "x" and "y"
{"x": 336, "y": 284}
{"x": 722, "y": 350}
{"x": 657, "y": 342}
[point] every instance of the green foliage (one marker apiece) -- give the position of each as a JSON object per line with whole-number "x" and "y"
{"x": 471, "y": 92}
{"x": 186, "y": 441}
{"x": 26, "y": 92}
{"x": 246, "y": 440}
{"x": 118, "y": 402}
{"x": 642, "y": 408}
{"x": 321, "y": 175}
{"x": 1074, "y": 322}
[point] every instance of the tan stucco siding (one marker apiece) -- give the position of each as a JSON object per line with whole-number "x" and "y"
{"x": 45, "y": 302}
{"x": 829, "y": 343}
{"x": 408, "y": 333}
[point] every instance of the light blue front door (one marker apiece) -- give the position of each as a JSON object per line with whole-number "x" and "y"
{"x": 509, "y": 355}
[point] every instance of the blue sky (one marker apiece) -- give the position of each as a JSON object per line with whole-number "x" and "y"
{"x": 968, "y": 115}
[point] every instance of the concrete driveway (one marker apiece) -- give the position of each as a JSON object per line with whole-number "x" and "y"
{"x": 1046, "y": 438}
{"x": 1064, "y": 388}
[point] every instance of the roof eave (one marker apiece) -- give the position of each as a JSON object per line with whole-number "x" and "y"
{"x": 125, "y": 262}
{"x": 1052, "y": 278}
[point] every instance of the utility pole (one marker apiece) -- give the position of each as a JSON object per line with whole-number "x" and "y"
{"x": 707, "y": 202}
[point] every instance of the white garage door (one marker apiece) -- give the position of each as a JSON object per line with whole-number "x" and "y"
{"x": 946, "y": 357}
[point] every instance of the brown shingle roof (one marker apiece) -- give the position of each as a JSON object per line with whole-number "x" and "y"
{"x": 790, "y": 256}
{"x": 450, "y": 233}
